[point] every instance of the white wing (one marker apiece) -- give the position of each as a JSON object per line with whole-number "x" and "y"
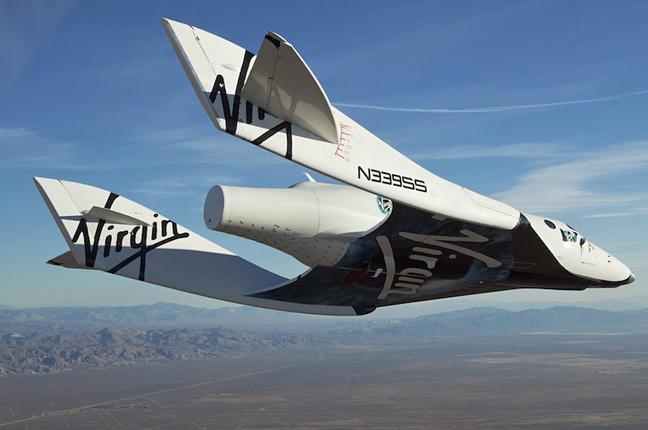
{"x": 294, "y": 121}
{"x": 138, "y": 243}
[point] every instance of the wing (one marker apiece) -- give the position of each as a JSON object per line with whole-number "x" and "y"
{"x": 110, "y": 233}
{"x": 274, "y": 101}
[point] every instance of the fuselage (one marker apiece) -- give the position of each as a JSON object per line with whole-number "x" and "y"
{"x": 407, "y": 254}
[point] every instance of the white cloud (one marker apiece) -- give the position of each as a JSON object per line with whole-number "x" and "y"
{"x": 581, "y": 181}
{"x": 195, "y": 184}
{"x": 205, "y": 146}
{"x": 635, "y": 211}
{"x": 524, "y": 150}
{"x": 495, "y": 109}
{"x": 24, "y": 147}
{"x": 610, "y": 214}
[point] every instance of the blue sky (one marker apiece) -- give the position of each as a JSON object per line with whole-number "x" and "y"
{"x": 92, "y": 92}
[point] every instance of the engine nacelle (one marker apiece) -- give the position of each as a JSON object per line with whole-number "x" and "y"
{"x": 313, "y": 222}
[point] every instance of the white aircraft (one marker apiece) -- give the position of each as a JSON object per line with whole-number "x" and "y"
{"x": 396, "y": 233}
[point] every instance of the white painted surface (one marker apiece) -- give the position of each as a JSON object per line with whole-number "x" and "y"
{"x": 313, "y": 222}
{"x": 281, "y": 82}
{"x": 204, "y": 56}
{"x": 579, "y": 257}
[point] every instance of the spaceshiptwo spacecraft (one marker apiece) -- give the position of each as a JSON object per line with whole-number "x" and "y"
{"x": 393, "y": 233}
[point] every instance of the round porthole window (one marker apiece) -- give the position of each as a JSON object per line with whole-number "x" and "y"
{"x": 550, "y": 224}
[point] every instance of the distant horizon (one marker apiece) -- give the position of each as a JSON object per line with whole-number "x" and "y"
{"x": 381, "y": 312}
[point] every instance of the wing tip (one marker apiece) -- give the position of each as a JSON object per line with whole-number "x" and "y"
{"x": 170, "y": 23}
{"x": 276, "y": 39}
{"x": 40, "y": 180}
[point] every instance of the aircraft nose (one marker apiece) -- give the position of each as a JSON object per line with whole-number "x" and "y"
{"x": 630, "y": 279}
{"x": 625, "y": 270}
{"x": 618, "y": 273}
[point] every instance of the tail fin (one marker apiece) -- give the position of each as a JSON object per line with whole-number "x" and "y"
{"x": 111, "y": 233}
{"x": 282, "y": 83}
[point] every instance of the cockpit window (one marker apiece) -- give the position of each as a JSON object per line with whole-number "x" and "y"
{"x": 569, "y": 236}
{"x": 550, "y": 224}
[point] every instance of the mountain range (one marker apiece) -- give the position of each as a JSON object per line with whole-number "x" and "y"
{"x": 168, "y": 315}
{"x": 120, "y": 346}
{"x": 40, "y": 340}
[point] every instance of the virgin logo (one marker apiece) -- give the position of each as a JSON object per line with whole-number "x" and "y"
{"x": 410, "y": 279}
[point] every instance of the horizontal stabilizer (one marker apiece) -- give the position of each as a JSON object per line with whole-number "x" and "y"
{"x": 113, "y": 216}
{"x": 282, "y": 84}
{"x": 66, "y": 260}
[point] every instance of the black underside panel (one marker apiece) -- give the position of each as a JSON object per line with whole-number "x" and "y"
{"x": 416, "y": 256}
